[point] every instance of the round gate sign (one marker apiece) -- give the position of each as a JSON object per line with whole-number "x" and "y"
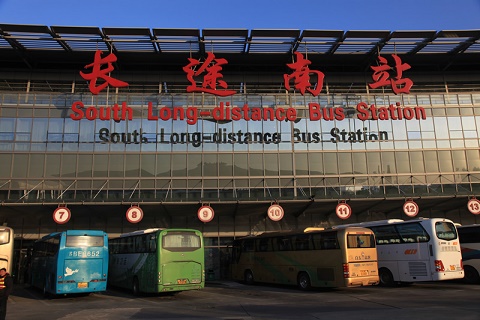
{"x": 61, "y": 215}
{"x": 205, "y": 214}
{"x": 343, "y": 211}
{"x": 275, "y": 212}
{"x": 474, "y": 206}
{"x": 410, "y": 208}
{"x": 134, "y": 214}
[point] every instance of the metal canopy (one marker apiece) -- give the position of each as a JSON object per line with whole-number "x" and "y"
{"x": 33, "y": 45}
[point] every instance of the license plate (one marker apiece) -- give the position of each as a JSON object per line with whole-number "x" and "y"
{"x": 82, "y": 285}
{"x": 364, "y": 272}
{"x": 182, "y": 281}
{"x": 453, "y": 268}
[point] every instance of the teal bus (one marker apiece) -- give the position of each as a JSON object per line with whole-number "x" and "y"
{"x": 71, "y": 261}
{"x": 158, "y": 260}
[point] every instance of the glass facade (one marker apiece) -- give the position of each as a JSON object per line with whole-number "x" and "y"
{"x": 143, "y": 150}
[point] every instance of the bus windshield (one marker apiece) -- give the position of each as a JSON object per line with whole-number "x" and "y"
{"x": 181, "y": 241}
{"x": 360, "y": 241}
{"x": 4, "y": 237}
{"x": 445, "y": 230}
{"x": 84, "y": 241}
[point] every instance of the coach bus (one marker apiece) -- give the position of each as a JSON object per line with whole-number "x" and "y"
{"x": 6, "y": 248}
{"x": 416, "y": 250}
{"x": 71, "y": 261}
{"x": 470, "y": 244}
{"x": 311, "y": 258}
{"x": 158, "y": 261}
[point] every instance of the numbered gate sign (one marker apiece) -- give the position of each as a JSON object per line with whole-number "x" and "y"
{"x": 343, "y": 211}
{"x": 474, "y": 206}
{"x": 410, "y": 208}
{"x": 205, "y": 214}
{"x": 134, "y": 214}
{"x": 275, "y": 212}
{"x": 61, "y": 215}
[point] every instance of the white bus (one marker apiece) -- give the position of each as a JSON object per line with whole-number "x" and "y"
{"x": 416, "y": 250}
{"x": 6, "y": 249}
{"x": 470, "y": 245}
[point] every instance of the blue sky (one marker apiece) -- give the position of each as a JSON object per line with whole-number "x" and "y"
{"x": 392, "y": 15}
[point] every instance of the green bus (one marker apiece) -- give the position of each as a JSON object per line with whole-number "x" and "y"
{"x": 157, "y": 260}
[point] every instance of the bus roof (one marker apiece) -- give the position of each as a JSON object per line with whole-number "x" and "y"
{"x": 134, "y": 233}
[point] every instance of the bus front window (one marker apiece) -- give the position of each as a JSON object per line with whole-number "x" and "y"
{"x": 445, "y": 231}
{"x": 84, "y": 241}
{"x": 181, "y": 241}
{"x": 4, "y": 237}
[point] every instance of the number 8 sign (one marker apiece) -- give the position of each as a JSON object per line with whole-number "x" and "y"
{"x": 134, "y": 214}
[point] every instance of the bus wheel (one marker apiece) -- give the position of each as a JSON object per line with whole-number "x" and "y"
{"x": 248, "y": 277}
{"x": 386, "y": 277}
{"x": 303, "y": 281}
{"x": 471, "y": 275}
{"x": 135, "y": 287}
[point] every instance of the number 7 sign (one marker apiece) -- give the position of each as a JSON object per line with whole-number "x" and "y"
{"x": 61, "y": 215}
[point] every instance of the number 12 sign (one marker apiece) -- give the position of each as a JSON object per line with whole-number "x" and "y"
{"x": 410, "y": 208}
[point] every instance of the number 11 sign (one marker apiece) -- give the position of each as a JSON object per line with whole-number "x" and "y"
{"x": 343, "y": 211}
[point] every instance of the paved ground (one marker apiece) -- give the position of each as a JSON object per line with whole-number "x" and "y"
{"x": 234, "y": 301}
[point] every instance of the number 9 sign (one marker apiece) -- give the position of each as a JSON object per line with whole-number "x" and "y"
{"x": 61, "y": 215}
{"x": 343, "y": 211}
{"x": 205, "y": 213}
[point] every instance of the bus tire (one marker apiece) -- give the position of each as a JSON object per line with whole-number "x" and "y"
{"x": 386, "y": 277}
{"x": 303, "y": 281}
{"x": 135, "y": 287}
{"x": 471, "y": 275}
{"x": 248, "y": 277}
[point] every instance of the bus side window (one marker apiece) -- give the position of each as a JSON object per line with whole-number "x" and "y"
{"x": 302, "y": 242}
{"x": 262, "y": 245}
{"x": 152, "y": 243}
{"x": 329, "y": 241}
{"x": 284, "y": 244}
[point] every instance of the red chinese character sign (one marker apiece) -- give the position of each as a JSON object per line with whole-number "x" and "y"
{"x": 211, "y": 69}
{"x": 205, "y": 214}
{"x": 343, "y": 211}
{"x": 383, "y": 78}
{"x": 301, "y": 76}
{"x": 61, "y": 215}
{"x": 474, "y": 206}
{"x": 134, "y": 214}
{"x": 410, "y": 208}
{"x": 103, "y": 74}
{"x": 275, "y": 212}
